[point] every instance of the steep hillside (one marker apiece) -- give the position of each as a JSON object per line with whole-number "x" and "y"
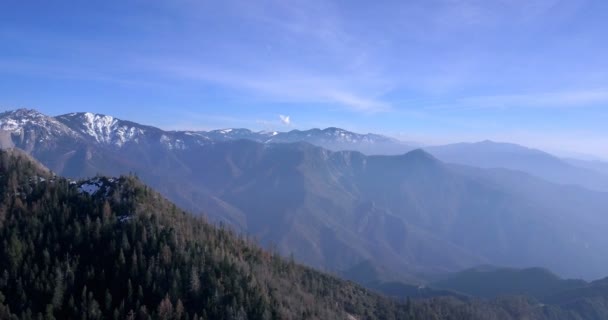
{"x": 113, "y": 248}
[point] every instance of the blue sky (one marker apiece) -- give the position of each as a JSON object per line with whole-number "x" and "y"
{"x": 533, "y": 72}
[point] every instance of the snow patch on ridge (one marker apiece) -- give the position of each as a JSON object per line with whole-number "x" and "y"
{"x": 89, "y": 188}
{"x": 95, "y": 185}
{"x": 172, "y": 143}
{"x": 23, "y": 120}
{"x": 109, "y": 130}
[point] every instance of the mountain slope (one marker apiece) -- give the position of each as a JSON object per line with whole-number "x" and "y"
{"x": 128, "y": 251}
{"x": 409, "y": 212}
{"x": 104, "y": 129}
{"x": 120, "y": 250}
{"x": 315, "y": 204}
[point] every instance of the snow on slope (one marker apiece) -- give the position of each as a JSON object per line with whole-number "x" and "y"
{"x": 95, "y": 185}
{"x": 22, "y": 120}
{"x": 104, "y": 129}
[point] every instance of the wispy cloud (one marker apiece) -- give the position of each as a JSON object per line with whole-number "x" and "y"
{"x": 47, "y": 69}
{"x": 356, "y": 102}
{"x": 559, "y": 99}
{"x": 287, "y": 84}
{"x": 308, "y": 55}
{"x": 285, "y": 119}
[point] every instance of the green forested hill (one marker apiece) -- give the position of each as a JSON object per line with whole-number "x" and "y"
{"x": 114, "y": 249}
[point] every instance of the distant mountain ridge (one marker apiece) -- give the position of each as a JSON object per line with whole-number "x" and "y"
{"x": 595, "y": 165}
{"x": 581, "y": 299}
{"x": 491, "y": 282}
{"x": 115, "y": 132}
{"x": 490, "y": 154}
{"x": 112, "y": 132}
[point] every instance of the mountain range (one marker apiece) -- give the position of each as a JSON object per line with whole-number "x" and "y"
{"x": 410, "y": 213}
{"x": 113, "y": 132}
{"x": 114, "y": 248}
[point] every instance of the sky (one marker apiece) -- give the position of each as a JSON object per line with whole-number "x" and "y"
{"x": 532, "y": 72}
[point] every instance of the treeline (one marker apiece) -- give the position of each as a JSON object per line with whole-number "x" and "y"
{"x": 127, "y": 253}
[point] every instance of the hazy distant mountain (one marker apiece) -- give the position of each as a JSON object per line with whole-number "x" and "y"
{"x": 390, "y": 283}
{"x": 576, "y": 298}
{"x": 489, "y": 154}
{"x": 369, "y": 272}
{"x": 595, "y": 165}
{"x": 337, "y": 139}
{"x": 490, "y": 282}
{"x": 409, "y": 213}
{"x": 590, "y": 301}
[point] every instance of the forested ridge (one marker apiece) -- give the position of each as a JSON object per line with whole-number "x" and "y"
{"x": 125, "y": 252}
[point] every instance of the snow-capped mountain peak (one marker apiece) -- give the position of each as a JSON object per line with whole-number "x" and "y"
{"x": 104, "y": 129}
{"x": 339, "y": 133}
{"x": 22, "y": 120}
{"x": 24, "y": 113}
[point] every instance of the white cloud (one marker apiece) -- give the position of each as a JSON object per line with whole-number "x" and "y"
{"x": 285, "y": 120}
